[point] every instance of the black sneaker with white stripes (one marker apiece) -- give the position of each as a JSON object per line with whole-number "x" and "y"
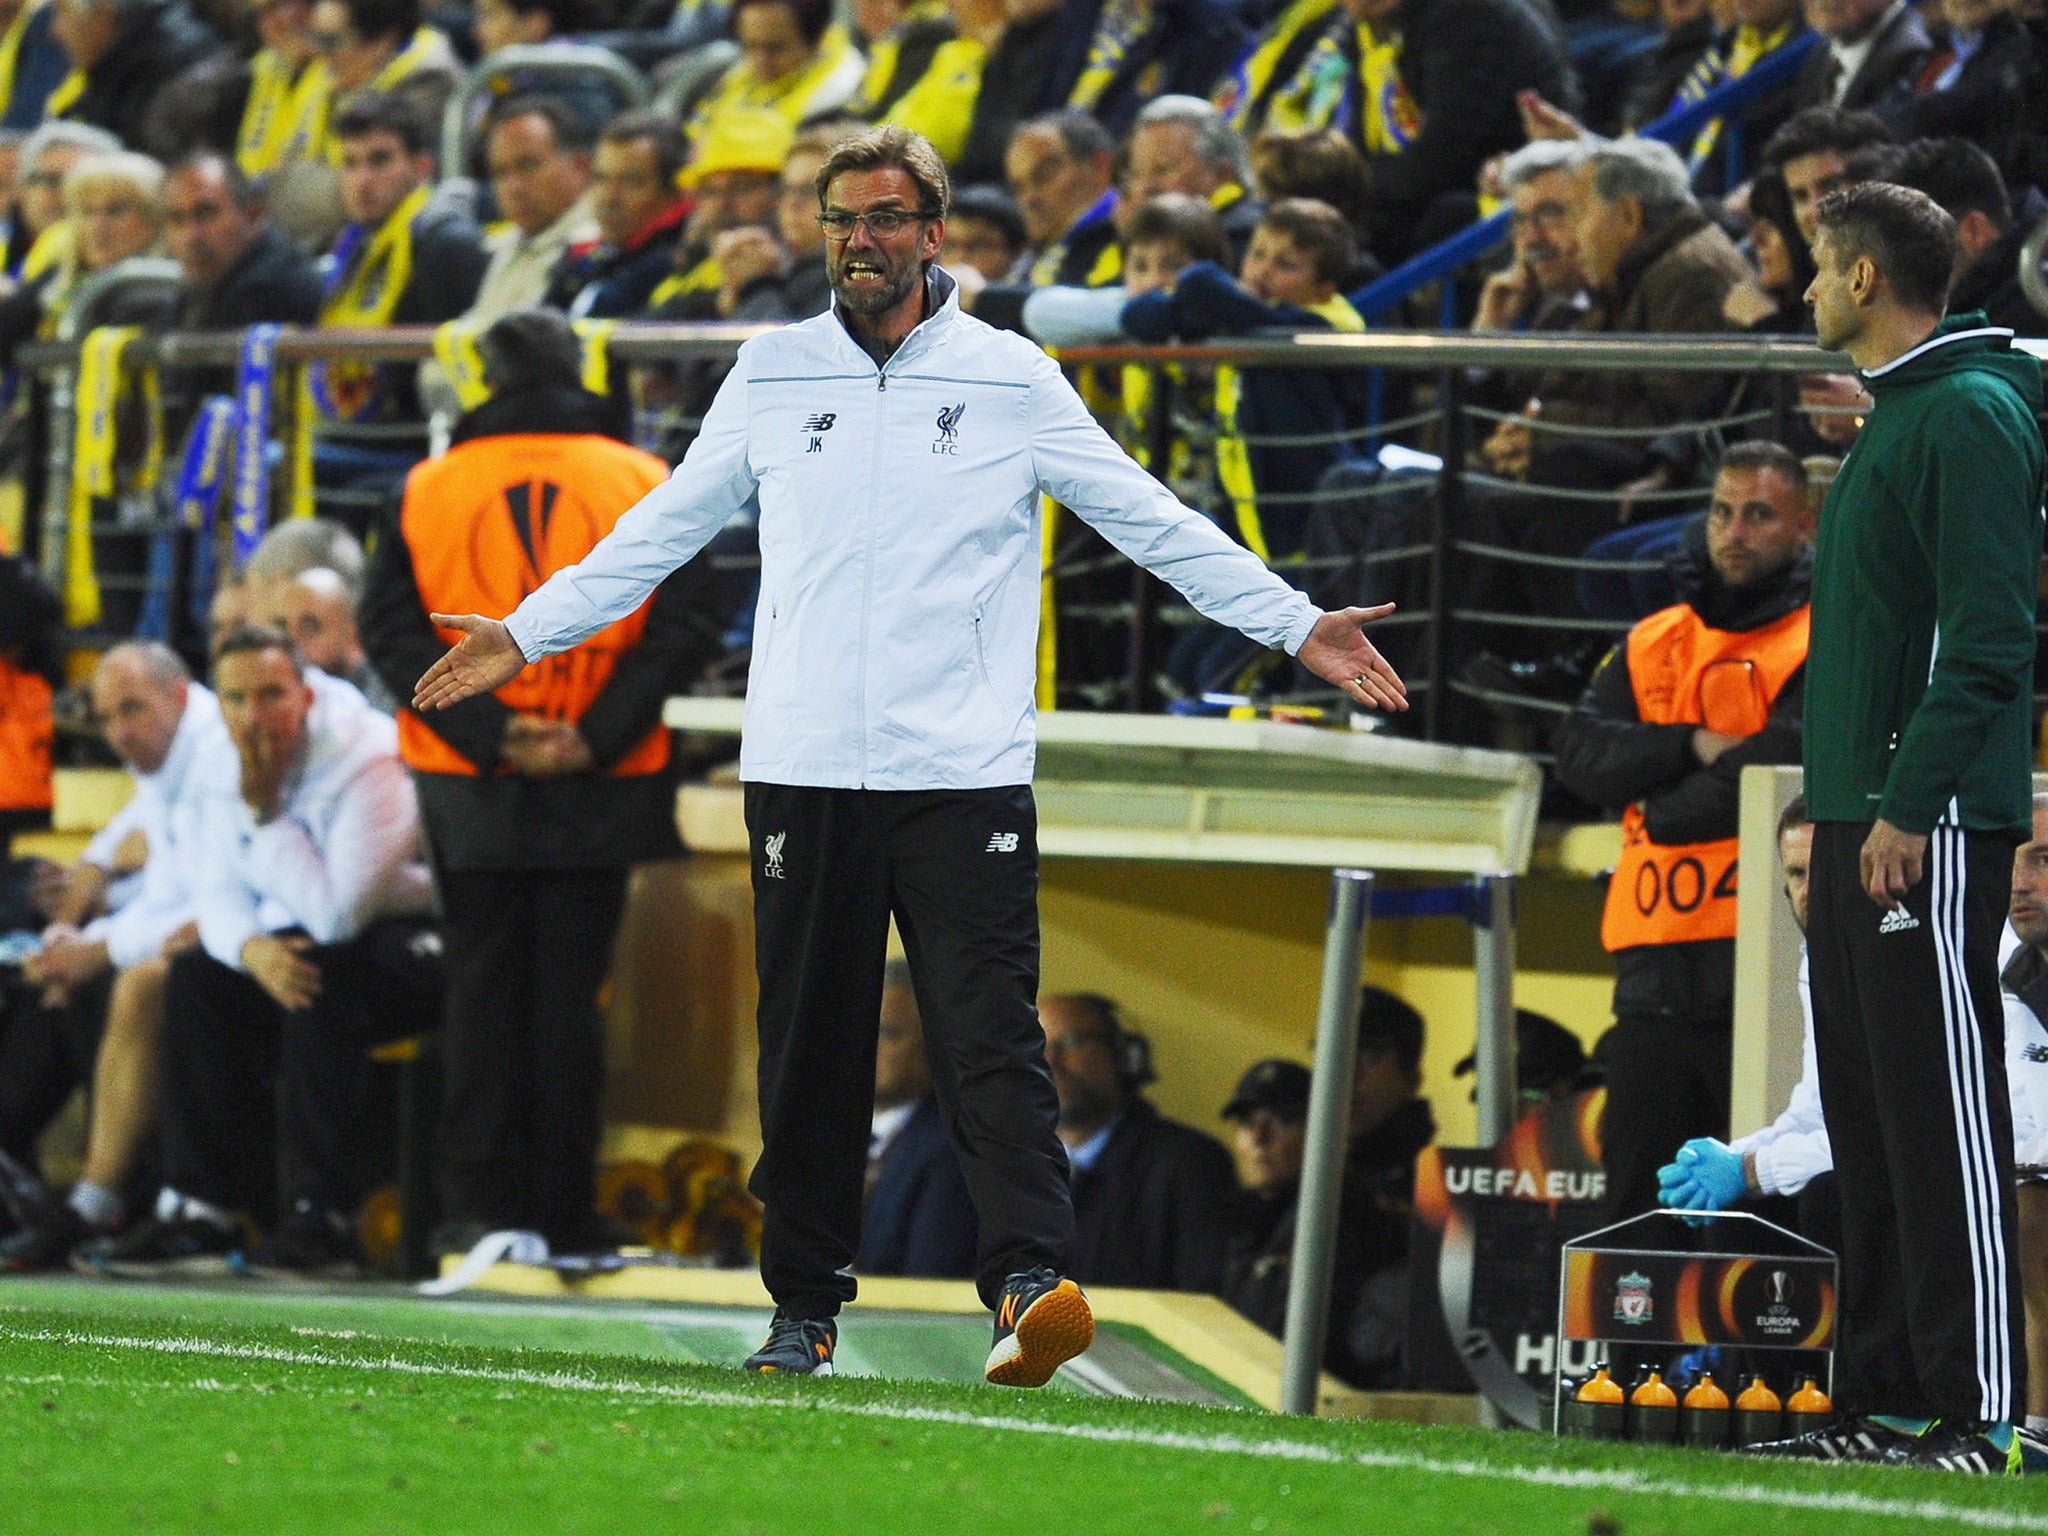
{"x": 796, "y": 1346}
{"x": 1844, "y": 1437}
{"x": 1968, "y": 1447}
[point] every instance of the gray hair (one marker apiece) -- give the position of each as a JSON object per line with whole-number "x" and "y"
{"x": 163, "y": 666}
{"x": 300, "y": 543}
{"x": 139, "y": 173}
{"x": 1645, "y": 170}
{"x": 1219, "y": 145}
{"x": 1539, "y": 159}
{"x": 94, "y": 141}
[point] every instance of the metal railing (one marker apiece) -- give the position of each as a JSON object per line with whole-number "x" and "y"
{"x": 1131, "y": 617}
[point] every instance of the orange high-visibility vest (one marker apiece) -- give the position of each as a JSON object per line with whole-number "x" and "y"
{"x": 26, "y": 735}
{"x": 491, "y": 520}
{"x": 1726, "y": 680}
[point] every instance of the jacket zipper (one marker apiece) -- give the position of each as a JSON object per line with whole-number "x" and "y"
{"x": 867, "y": 576}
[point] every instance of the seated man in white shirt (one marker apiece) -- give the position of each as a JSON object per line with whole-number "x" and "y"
{"x": 314, "y": 944}
{"x": 100, "y": 985}
{"x": 1787, "y": 1155}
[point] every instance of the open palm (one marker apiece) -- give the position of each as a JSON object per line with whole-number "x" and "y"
{"x": 484, "y": 660}
{"x": 1337, "y": 651}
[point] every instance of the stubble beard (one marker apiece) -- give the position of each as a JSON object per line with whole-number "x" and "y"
{"x": 873, "y": 303}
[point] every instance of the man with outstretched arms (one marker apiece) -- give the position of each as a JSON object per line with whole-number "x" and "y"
{"x": 901, "y": 451}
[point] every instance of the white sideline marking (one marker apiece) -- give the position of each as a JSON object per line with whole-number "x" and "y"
{"x": 1226, "y": 1445}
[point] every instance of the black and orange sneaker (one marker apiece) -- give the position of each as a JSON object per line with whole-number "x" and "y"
{"x": 1042, "y": 1322}
{"x": 796, "y": 1346}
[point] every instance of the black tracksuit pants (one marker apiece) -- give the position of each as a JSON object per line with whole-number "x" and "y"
{"x": 958, "y": 869}
{"x": 242, "y": 1076}
{"x": 523, "y": 1046}
{"x": 1667, "y": 1082}
{"x": 45, "y": 1054}
{"x": 1909, "y": 1037}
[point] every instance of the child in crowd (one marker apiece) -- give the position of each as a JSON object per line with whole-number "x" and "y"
{"x": 1278, "y": 429}
{"x": 1167, "y": 235}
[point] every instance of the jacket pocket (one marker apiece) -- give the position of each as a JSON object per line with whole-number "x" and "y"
{"x": 981, "y": 654}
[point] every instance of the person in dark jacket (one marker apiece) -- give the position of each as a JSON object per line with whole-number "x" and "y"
{"x": 239, "y": 270}
{"x": 1964, "y": 181}
{"x": 128, "y": 57}
{"x": 1974, "y": 84}
{"x": 1151, "y": 1196}
{"x": 1016, "y": 84}
{"x": 1445, "y": 106}
{"x": 640, "y": 217}
{"x": 1390, "y": 1125}
{"x": 918, "y": 1219}
{"x": 1869, "y": 49}
{"x": 1112, "y": 58}
{"x": 1696, "y": 693}
{"x": 1917, "y": 778}
{"x": 39, "y": 65}
{"x": 535, "y": 800}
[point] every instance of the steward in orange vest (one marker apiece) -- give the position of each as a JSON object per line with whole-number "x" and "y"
{"x": 534, "y": 800}
{"x": 29, "y": 624}
{"x": 1696, "y": 693}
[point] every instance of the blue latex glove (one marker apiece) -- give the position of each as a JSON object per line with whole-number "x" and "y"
{"x": 1709, "y": 1177}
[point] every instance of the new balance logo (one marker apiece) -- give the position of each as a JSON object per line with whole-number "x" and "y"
{"x": 2035, "y": 1053}
{"x": 816, "y": 425}
{"x": 771, "y": 851}
{"x": 1898, "y": 921}
{"x": 1002, "y": 842}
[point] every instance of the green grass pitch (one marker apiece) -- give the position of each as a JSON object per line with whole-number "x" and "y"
{"x": 138, "y": 1411}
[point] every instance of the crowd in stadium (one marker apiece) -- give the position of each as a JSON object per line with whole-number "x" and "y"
{"x": 224, "y": 963}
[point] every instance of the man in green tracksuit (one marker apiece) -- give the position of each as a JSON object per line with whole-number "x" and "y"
{"x": 1917, "y": 752}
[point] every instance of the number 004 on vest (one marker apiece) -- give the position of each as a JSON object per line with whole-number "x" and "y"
{"x": 1685, "y": 673}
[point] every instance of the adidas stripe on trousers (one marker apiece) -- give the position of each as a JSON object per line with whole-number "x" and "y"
{"x": 958, "y": 870}
{"x": 1909, "y": 1033}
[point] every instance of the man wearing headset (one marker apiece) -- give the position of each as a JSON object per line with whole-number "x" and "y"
{"x": 1152, "y": 1197}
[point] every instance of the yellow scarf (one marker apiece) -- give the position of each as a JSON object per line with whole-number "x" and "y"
{"x": 93, "y": 452}
{"x": 456, "y": 351}
{"x": 286, "y": 118}
{"x": 941, "y": 104}
{"x": 10, "y": 51}
{"x": 65, "y": 97}
{"x": 366, "y": 295}
{"x": 704, "y": 277}
{"x": 1244, "y": 88}
{"x": 885, "y": 53}
{"x": 1122, "y": 24}
{"x": 52, "y": 249}
{"x": 791, "y": 97}
{"x": 1389, "y": 120}
{"x": 1233, "y": 458}
{"x": 425, "y": 48}
{"x": 1712, "y": 71}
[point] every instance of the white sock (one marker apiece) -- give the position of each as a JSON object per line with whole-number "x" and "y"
{"x": 172, "y": 1206}
{"x": 2038, "y": 1423}
{"x": 98, "y": 1206}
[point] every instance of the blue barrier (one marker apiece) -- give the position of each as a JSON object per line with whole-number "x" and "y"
{"x": 1440, "y": 261}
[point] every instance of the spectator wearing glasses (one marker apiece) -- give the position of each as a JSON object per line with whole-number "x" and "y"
{"x": 1151, "y": 1196}
{"x": 539, "y": 160}
{"x": 639, "y": 213}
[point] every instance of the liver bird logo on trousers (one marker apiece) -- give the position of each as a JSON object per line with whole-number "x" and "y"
{"x": 771, "y": 849}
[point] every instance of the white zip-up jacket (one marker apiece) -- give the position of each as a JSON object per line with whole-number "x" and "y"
{"x": 895, "y": 645}
{"x": 343, "y": 852}
{"x": 200, "y": 759}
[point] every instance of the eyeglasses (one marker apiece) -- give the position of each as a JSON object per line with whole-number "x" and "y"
{"x": 882, "y": 223}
